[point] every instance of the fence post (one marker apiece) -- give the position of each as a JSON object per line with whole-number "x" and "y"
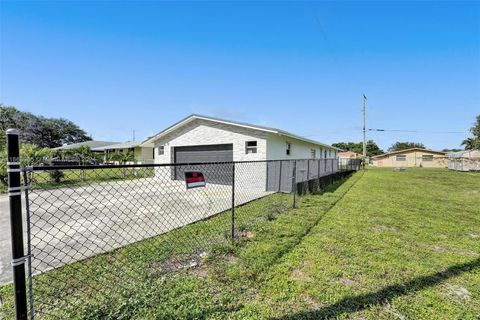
{"x": 280, "y": 177}
{"x": 15, "y": 200}
{"x": 233, "y": 201}
{"x": 294, "y": 183}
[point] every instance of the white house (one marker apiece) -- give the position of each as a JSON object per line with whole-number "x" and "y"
{"x": 202, "y": 139}
{"x": 205, "y": 139}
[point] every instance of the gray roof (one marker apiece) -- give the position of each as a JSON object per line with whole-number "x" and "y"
{"x": 121, "y": 145}
{"x": 242, "y": 124}
{"x": 92, "y": 144}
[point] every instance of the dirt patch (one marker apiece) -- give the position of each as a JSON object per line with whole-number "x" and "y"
{"x": 178, "y": 263}
{"x": 438, "y": 248}
{"x": 347, "y": 282}
{"x": 231, "y": 258}
{"x": 301, "y": 273}
{"x": 311, "y": 302}
{"x": 245, "y": 234}
{"x": 384, "y": 228}
{"x": 457, "y": 292}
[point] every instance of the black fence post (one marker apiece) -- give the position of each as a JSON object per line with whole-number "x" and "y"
{"x": 294, "y": 183}
{"x": 233, "y": 201}
{"x": 15, "y": 199}
{"x": 280, "y": 177}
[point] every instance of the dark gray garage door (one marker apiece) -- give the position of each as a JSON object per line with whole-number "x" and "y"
{"x": 215, "y": 173}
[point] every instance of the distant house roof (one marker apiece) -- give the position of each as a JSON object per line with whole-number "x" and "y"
{"x": 234, "y": 123}
{"x": 92, "y": 144}
{"x": 408, "y": 151}
{"x": 121, "y": 145}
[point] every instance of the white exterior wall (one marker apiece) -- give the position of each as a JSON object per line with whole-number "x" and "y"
{"x": 201, "y": 132}
{"x": 277, "y": 145}
{"x": 269, "y": 147}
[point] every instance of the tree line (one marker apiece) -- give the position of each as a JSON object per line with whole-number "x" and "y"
{"x": 470, "y": 143}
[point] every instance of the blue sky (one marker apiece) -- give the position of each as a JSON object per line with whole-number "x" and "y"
{"x": 113, "y": 67}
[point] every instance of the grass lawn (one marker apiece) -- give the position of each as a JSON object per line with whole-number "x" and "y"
{"x": 381, "y": 245}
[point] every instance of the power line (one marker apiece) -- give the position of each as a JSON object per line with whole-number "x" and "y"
{"x": 416, "y": 131}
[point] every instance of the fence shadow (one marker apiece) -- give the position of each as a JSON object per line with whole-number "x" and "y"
{"x": 360, "y": 302}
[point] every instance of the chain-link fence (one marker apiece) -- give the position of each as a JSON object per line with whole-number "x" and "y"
{"x": 97, "y": 231}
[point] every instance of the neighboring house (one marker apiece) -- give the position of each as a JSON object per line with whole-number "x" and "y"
{"x": 349, "y": 155}
{"x": 143, "y": 154}
{"x": 468, "y": 160}
{"x": 414, "y": 157}
{"x": 347, "y": 158}
{"x": 205, "y": 139}
{"x": 92, "y": 144}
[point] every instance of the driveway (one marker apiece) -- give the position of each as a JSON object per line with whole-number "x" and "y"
{"x": 70, "y": 224}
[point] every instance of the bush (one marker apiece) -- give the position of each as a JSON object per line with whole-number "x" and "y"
{"x": 56, "y": 175}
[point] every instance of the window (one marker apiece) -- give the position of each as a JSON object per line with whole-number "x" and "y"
{"x": 325, "y": 154}
{"x": 251, "y": 147}
{"x": 401, "y": 157}
{"x": 161, "y": 150}
{"x": 427, "y": 157}
{"x": 289, "y": 148}
{"x": 313, "y": 153}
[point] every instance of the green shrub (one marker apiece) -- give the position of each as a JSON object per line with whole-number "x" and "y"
{"x": 56, "y": 175}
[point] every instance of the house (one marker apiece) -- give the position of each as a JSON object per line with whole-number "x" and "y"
{"x": 205, "y": 139}
{"x": 349, "y": 155}
{"x": 142, "y": 154}
{"x": 92, "y": 144}
{"x": 199, "y": 138}
{"x": 468, "y": 160}
{"x": 414, "y": 157}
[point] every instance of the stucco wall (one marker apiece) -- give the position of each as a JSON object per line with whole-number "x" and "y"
{"x": 413, "y": 159}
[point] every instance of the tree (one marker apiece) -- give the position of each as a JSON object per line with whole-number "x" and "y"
{"x": 372, "y": 148}
{"x": 473, "y": 142}
{"x": 44, "y": 132}
{"x": 398, "y": 146}
{"x": 469, "y": 143}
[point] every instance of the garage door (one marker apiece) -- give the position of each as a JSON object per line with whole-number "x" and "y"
{"x": 215, "y": 173}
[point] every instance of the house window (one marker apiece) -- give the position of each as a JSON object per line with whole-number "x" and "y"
{"x": 161, "y": 150}
{"x": 313, "y": 153}
{"x": 401, "y": 157}
{"x": 427, "y": 157}
{"x": 251, "y": 147}
{"x": 289, "y": 148}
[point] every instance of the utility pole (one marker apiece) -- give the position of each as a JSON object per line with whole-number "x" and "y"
{"x": 133, "y": 135}
{"x": 364, "y": 99}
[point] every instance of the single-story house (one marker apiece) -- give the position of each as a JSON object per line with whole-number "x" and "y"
{"x": 414, "y": 157}
{"x": 349, "y": 155}
{"x": 199, "y": 138}
{"x": 92, "y": 144}
{"x": 468, "y": 160}
{"x": 142, "y": 154}
{"x": 205, "y": 139}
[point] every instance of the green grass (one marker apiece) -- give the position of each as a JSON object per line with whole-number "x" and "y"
{"x": 382, "y": 245}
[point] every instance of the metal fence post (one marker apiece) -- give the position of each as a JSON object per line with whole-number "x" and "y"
{"x": 15, "y": 200}
{"x": 280, "y": 177}
{"x": 294, "y": 183}
{"x": 233, "y": 200}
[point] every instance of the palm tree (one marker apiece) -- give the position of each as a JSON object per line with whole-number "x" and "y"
{"x": 469, "y": 143}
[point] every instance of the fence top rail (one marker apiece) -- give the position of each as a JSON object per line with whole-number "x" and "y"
{"x": 153, "y": 165}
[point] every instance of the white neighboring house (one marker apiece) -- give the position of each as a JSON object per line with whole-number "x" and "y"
{"x": 200, "y": 138}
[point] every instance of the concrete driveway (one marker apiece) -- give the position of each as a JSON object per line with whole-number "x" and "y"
{"x": 70, "y": 224}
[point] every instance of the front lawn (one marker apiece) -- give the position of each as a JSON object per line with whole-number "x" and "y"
{"x": 381, "y": 245}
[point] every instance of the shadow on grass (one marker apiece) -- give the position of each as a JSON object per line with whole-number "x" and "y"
{"x": 360, "y": 302}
